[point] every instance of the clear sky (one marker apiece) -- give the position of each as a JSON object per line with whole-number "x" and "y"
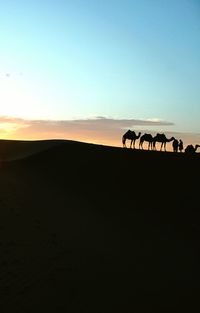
{"x": 116, "y": 59}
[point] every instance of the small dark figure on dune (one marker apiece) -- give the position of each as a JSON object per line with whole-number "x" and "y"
{"x": 180, "y": 145}
{"x": 130, "y": 135}
{"x": 190, "y": 149}
{"x": 148, "y": 138}
{"x": 175, "y": 145}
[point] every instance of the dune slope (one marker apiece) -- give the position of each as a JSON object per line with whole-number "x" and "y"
{"x": 88, "y": 228}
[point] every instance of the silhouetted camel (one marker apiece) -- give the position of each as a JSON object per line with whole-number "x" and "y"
{"x": 130, "y": 135}
{"x": 148, "y": 138}
{"x": 175, "y": 145}
{"x": 190, "y": 149}
{"x": 163, "y": 139}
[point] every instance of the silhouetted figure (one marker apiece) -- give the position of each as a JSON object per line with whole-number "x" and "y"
{"x": 130, "y": 135}
{"x": 190, "y": 149}
{"x": 163, "y": 139}
{"x": 148, "y": 138}
{"x": 175, "y": 145}
{"x": 180, "y": 146}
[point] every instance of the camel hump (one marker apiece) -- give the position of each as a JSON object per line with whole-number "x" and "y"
{"x": 128, "y": 132}
{"x": 160, "y": 134}
{"x": 146, "y": 136}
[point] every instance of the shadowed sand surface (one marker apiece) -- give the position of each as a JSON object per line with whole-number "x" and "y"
{"x": 90, "y": 228}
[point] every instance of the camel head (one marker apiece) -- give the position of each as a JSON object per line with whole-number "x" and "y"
{"x": 139, "y": 134}
{"x": 196, "y": 147}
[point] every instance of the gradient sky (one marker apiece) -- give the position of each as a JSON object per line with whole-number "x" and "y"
{"x": 119, "y": 59}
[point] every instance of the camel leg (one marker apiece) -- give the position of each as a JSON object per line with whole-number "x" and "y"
{"x": 124, "y": 142}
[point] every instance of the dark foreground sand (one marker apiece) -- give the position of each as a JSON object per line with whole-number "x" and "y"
{"x": 87, "y": 228}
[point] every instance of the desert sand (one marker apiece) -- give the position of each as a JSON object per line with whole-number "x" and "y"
{"x": 91, "y": 228}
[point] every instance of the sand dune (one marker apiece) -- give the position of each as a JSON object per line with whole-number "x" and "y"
{"x": 90, "y": 228}
{"x": 17, "y": 149}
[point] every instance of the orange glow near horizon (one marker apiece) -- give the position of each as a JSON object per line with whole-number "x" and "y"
{"x": 19, "y": 129}
{"x": 10, "y": 134}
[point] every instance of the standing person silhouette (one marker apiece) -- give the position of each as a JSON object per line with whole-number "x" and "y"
{"x": 180, "y": 145}
{"x": 175, "y": 145}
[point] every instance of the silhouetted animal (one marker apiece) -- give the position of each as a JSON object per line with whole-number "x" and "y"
{"x": 180, "y": 146}
{"x": 148, "y": 138}
{"x": 175, "y": 145}
{"x": 163, "y": 139}
{"x": 130, "y": 135}
{"x": 190, "y": 149}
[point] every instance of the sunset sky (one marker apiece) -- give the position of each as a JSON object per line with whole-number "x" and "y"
{"x": 90, "y": 69}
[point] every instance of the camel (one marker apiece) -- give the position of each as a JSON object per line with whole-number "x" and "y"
{"x": 130, "y": 135}
{"x": 163, "y": 139}
{"x": 148, "y": 138}
{"x": 175, "y": 145}
{"x": 190, "y": 149}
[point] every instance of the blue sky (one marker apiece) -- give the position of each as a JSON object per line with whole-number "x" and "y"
{"x": 80, "y": 59}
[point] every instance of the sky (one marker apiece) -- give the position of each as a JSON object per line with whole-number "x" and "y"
{"x": 89, "y": 70}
